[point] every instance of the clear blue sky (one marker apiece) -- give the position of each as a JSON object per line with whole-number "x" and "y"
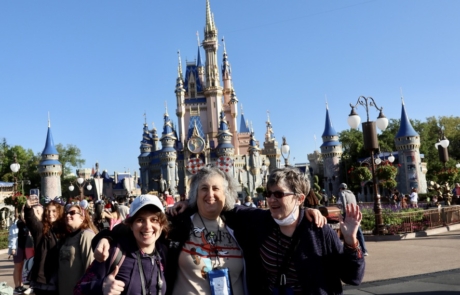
{"x": 97, "y": 66}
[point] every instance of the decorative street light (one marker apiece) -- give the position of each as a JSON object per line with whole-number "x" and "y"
{"x": 15, "y": 168}
{"x": 81, "y": 183}
{"x": 285, "y": 152}
{"x": 441, "y": 146}
{"x": 371, "y": 145}
{"x": 457, "y": 165}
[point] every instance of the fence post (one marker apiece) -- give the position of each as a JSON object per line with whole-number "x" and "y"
{"x": 410, "y": 222}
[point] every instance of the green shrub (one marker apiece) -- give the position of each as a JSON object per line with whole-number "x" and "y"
{"x": 4, "y": 239}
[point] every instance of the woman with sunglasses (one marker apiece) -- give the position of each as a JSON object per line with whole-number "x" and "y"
{"x": 287, "y": 254}
{"x": 140, "y": 270}
{"x": 75, "y": 254}
{"x": 46, "y": 234}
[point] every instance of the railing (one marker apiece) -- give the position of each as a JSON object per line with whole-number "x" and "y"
{"x": 408, "y": 222}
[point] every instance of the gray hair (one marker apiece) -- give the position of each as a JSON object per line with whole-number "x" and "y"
{"x": 292, "y": 178}
{"x": 228, "y": 183}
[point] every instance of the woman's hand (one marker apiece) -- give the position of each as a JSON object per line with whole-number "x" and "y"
{"x": 349, "y": 226}
{"x": 314, "y": 215}
{"x": 31, "y": 202}
{"x": 178, "y": 208}
{"x": 101, "y": 253}
{"x": 111, "y": 286}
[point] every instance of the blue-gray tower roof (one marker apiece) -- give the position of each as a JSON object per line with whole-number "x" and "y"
{"x": 405, "y": 127}
{"x": 199, "y": 63}
{"x": 49, "y": 149}
{"x": 244, "y": 128}
{"x": 328, "y": 128}
{"x": 195, "y": 121}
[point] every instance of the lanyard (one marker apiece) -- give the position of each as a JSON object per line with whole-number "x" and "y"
{"x": 141, "y": 274}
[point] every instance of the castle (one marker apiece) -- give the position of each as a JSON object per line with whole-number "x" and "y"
{"x": 207, "y": 131}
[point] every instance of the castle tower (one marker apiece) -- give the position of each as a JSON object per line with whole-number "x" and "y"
{"x": 410, "y": 172}
{"x": 180, "y": 97}
{"x": 331, "y": 152}
{"x": 271, "y": 149}
{"x": 50, "y": 169}
{"x": 168, "y": 155}
{"x": 244, "y": 135}
{"x": 213, "y": 91}
{"x": 225, "y": 147}
{"x": 145, "y": 157}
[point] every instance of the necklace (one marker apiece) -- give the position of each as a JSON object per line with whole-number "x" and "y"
{"x": 211, "y": 238}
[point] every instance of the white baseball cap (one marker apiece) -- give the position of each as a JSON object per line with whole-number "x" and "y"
{"x": 144, "y": 200}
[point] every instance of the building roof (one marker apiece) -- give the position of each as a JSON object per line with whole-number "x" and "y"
{"x": 328, "y": 128}
{"x": 405, "y": 127}
{"x": 49, "y": 149}
{"x": 244, "y": 128}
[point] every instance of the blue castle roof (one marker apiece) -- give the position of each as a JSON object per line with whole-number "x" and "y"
{"x": 195, "y": 120}
{"x": 405, "y": 127}
{"x": 49, "y": 145}
{"x": 192, "y": 70}
{"x": 328, "y": 129}
{"x": 199, "y": 63}
{"x": 244, "y": 128}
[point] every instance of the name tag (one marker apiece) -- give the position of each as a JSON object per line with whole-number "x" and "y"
{"x": 219, "y": 281}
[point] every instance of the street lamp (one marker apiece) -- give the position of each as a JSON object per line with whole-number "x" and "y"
{"x": 457, "y": 165}
{"x": 441, "y": 146}
{"x": 371, "y": 144}
{"x": 285, "y": 151}
{"x": 81, "y": 183}
{"x": 15, "y": 168}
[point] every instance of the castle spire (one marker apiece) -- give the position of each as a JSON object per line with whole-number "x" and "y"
{"x": 199, "y": 63}
{"x": 405, "y": 127}
{"x": 209, "y": 18}
{"x": 179, "y": 67}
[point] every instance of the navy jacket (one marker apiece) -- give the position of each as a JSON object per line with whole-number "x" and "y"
{"x": 320, "y": 260}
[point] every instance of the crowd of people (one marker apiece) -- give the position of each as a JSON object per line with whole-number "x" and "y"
{"x": 205, "y": 245}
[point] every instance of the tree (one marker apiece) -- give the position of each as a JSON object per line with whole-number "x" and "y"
{"x": 69, "y": 156}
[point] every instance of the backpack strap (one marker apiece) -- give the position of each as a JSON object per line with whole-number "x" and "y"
{"x": 117, "y": 258}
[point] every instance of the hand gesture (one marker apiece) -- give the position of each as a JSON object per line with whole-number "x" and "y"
{"x": 31, "y": 202}
{"x": 179, "y": 207}
{"x": 314, "y": 215}
{"x": 349, "y": 226}
{"x": 111, "y": 286}
{"x": 101, "y": 253}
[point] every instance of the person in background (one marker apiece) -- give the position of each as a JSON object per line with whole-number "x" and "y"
{"x": 75, "y": 254}
{"x": 248, "y": 202}
{"x": 123, "y": 209}
{"x": 141, "y": 271}
{"x": 347, "y": 197}
{"x": 169, "y": 199}
{"x": 46, "y": 235}
{"x": 456, "y": 194}
{"x": 237, "y": 201}
{"x": 396, "y": 200}
{"x": 414, "y": 198}
{"x": 325, "y": 197}
{"x": 18, "y": 255}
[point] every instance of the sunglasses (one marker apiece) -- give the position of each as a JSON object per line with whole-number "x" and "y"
{"x": 277, "y": 194}
{"x": 73, "y": 212}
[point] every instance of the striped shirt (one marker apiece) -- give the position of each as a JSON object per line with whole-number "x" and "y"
{"x": 272, "y": 252}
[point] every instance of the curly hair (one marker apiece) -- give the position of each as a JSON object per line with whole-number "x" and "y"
{"x": 58, "y": 224}
{"x": 205, "y": 173}
{"x": 292, "y": 178}
{"x": 87, "y": 222}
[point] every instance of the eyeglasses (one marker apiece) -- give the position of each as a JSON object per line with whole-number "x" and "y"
{"x": 73, "y": 212}
{"x": 278, "y": 194}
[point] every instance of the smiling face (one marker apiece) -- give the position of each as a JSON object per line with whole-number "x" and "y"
{"x": 211, "y": 196}
{"x": 281, "y": 208}
{"x": 146, "y": 227}
{"x": 74, "y": 221}
{"x": 52, "y": 213}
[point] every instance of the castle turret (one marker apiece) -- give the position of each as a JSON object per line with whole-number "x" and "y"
{"x": 331, "y": 152}
{"x": 225, "y": 147}
{"x": 180, "y": 98}
{"x": 145, "y": 156}
{"x": 271, "y": 149}
{"x": 168, "y": 154}
{"x": 410, "y": 173}
{"x": 50, "y": 169}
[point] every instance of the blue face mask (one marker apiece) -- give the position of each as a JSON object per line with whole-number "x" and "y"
{"x": 290, "y": 219}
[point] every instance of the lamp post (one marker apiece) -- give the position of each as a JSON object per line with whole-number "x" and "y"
{"x": 15, "y": 168}
{"x": 81, "y": 183}
{"x": 371, "y": 145}
{"x": 441, "y": 146}
{"x": 285, "y": 152}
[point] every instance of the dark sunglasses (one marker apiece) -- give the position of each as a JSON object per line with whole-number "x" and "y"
{"x": 277, "y": 194}
{"x": 73, "y": 212}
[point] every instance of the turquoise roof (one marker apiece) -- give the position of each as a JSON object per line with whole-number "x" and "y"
{"x": 328, "y": 129}
{"x": 405, "y": 127}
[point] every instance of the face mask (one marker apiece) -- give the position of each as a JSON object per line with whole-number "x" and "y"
{"x": 290, "y": 219}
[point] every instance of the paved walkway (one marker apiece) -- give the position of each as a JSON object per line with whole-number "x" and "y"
{"x": 420, "y": 265}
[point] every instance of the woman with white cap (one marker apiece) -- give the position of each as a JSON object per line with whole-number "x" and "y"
{"x": 140, "y": 269}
